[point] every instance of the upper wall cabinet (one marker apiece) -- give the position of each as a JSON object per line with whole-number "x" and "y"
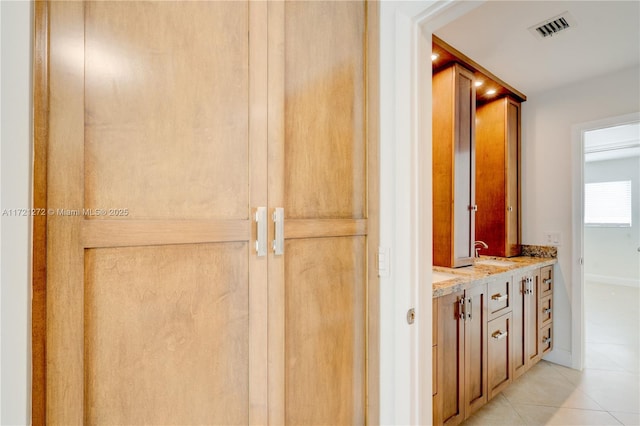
{"x": 498, "y": 177}
{"x": 454, "y": 107}
{"x": 476, "y": 159}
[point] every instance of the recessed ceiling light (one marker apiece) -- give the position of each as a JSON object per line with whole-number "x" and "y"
{"x": 434, "y": 56}
{"x": 491, "y": 92}
{"x": 478, "y": 83}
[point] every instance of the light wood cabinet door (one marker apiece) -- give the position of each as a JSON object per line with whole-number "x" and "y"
{"x": 169, "y": 124}
{"x": 498, "y": 176}
{"x": 151, "y": 280}
{"x": 453, "y": 167}
{"x": 320, "y": 173}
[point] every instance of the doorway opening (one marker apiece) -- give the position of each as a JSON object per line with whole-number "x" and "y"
{"x": 611, "y": 244}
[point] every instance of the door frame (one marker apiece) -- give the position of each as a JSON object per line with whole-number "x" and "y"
{"x": 577, "y": 226}
{"x": 406, "y": 204}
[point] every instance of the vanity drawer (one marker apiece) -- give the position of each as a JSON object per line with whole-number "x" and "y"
{"x": 546, "y": 339}
{"x": 500, "y": 297}
{"x": 545, "y": 316}
{"x": 546, "y": 281}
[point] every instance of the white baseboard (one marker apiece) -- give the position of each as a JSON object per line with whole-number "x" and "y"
{"x": 607, "y": 279}
{"x": 559, "y": 356}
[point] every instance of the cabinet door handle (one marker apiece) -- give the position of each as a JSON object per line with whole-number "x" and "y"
{"x": 547, "y": 281}
{"x": 509, "y": 209}
{"x": 473, "y": 208}
{"x": 499, "y": 297}
{"x": 261, "y": 231}
{"x": 498, "y": 335}
{"x": 469, "y": 315}
{"x": 546, "y": 311}
{"x": 278, "y": 219}
{"x": 546, "y": 340}
{"x": 461, "y": 314}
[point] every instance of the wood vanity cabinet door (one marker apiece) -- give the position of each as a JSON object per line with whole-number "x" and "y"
{"x": 498, "y": 177}
{"x": 453, "y": 167}
{"x": 526, "y": 312}
{"x": 451, "y": 340}
{"x": 499, "y": 348}
{"x": 532, "y": 318}
{"x": 475, "y": 347}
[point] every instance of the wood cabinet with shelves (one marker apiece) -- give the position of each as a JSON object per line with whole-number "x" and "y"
{"x": 454, "y": 106}
{"x": 461, "y": 355}
{"x": 498, "y": 177}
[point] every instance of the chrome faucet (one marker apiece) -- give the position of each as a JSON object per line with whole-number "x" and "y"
{"x": 481, "y": 244}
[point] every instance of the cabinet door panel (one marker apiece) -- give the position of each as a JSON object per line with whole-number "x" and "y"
{"x": 453, "y": 167}
{"x": 451, "y": 357}
{"x": 519, "y": 361}
{"x": 325, "y": 155}
{"x": 532, "y": 313}
{"x": 166, "y": 334}
{"x": 320, "y": 156}
{"x": 325, "y": 327}
{"x": 499, "y": 353}
{"x": 464, "y": 178}
{"x": 150, "y": 314}
{"x": 513, "y": 179}
{"x": 475, "y": 349}
{"x": 166, "y": 123}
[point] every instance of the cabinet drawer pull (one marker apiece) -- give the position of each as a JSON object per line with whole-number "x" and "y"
{"x": 261, "y": 231}
{"x": 499, "y": 335}
{"x": 546, "y": 311}
{"x": 547, "y": 281}
{"x": 499, "y": 297}
{"x": 546, "y": 340}
{"x": 278, "y": 220}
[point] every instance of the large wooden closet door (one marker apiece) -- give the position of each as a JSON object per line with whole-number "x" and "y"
{"x": 156, "y": 304}
{"x": 324, "y": 147}
{"x": 170, "y": 123}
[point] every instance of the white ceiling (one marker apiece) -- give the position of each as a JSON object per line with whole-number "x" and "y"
{"x": 606, "y": 38}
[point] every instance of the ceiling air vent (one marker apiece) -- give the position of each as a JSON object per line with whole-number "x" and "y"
{"x": 552, "y": 26}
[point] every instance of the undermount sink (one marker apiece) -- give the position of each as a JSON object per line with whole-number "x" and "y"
{"x": 442, "y": 276}
{"x": 494, "y": 262}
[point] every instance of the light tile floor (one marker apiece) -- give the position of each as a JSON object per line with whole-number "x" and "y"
{"x": 606, "y": 392}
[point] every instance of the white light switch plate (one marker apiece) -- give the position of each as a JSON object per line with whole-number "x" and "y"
{"x": 384, "y": 261}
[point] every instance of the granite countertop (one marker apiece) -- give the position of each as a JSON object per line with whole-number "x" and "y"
{"x": 484, "y": 269}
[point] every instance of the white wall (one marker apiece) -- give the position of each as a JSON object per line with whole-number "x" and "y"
{"x": 15, "y": 170}
{"x": 610, "y": 253}
{"x": 547, "y": 120}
